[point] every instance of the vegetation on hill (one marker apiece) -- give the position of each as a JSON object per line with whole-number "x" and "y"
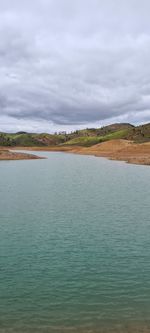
{"x": 139, "y": 134}
{"x": 86, "y": 137}
{"x": 30, "y": 139}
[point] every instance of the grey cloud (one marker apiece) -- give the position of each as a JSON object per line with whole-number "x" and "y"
{"x": 74, "y": 63}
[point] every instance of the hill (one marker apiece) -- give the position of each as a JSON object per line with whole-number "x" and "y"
{"x": 139, "y": 134}
{"x": 30, "y": 139}
{"x": 85, "y": 138}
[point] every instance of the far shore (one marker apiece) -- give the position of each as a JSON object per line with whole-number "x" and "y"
{"x": 121, "y": 150}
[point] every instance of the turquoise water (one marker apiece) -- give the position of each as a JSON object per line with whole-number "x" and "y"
{"x": 74, "y": 245}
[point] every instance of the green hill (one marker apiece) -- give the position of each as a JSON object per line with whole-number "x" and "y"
{"x": 86, "y": 137}
{"x": 30, "y": 139}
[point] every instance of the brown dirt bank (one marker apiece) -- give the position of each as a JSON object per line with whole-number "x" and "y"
{"x": 121, "y": 150}
{"x": 9, "y": 155}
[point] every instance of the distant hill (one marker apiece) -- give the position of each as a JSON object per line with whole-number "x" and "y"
{"x": 139, "y": 134}
{"x": 30, "y": 139}
{"x": 86, "y": 137}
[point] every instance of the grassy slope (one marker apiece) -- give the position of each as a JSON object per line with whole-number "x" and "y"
{"x": 92, "y": 140}
{"x": 87, "y": 137}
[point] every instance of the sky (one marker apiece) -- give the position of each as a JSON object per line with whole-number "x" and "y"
{"x": 70, "y": 64}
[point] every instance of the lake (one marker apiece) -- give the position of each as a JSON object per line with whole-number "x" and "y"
{"x": 74, "y": 245}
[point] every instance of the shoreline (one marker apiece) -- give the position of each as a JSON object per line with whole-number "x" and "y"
{"x": 6, "y": 154}
{"x": 119, "y": 150}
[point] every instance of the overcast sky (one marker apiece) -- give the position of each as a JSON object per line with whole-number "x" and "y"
{"x": 67, "y": 64}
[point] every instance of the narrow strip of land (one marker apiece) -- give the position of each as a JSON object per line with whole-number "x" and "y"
{"x": 121, "y": 150}
{"x": 6, "y": 154}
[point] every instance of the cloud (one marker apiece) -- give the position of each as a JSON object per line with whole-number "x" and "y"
{"x": 71, "y": 64}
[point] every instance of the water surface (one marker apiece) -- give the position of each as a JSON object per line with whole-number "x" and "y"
{"x": 74, "y": 245}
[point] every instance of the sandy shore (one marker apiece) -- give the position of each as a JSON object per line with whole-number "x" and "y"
{"x": 121, "y": 150}
{"x": 6, "y": 154}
